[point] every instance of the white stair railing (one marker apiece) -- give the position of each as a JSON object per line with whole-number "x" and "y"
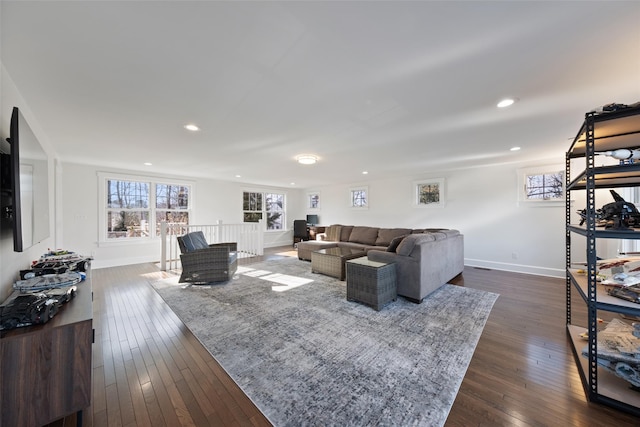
{"x": 248, "y": 236}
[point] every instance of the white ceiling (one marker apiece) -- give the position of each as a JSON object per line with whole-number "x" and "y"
{"x": 394, "y": 88}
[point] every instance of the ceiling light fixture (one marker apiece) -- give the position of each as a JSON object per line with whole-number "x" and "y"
{"x": 306, "y": 159}
{"x": 515, "y": 149}
{"x": 148, "y": 163}
{"x": 506, "y": 102}
{"x": 365, "y": 172}
{"x": 191, "y": 127}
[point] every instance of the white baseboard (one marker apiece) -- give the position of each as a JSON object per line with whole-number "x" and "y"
{"x": 516, "y": 268}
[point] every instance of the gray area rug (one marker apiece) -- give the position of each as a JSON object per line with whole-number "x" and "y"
{"x": 308, "y": 357}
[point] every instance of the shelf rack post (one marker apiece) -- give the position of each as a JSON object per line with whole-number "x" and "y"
{"x": 567, "y": 213}
{"x": 591, "y": 254}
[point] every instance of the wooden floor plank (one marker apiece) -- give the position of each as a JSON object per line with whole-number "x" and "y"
{"x": 523, "y": 371}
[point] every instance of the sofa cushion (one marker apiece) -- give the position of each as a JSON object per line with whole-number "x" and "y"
{"x": 345, "y": 233}
{"x": 393, "y": 245}
{"x": 333, "y": 232}
{"x": 365, "y": 235}
{"x": 386, "y": 235}
{"x": 193, "y": 241}
{"x": 408, "y": 243}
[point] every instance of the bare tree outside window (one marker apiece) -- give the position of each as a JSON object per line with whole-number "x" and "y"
{"x": 172, "y": 204}
{"x": 256, "y": 206}
{"x": 359, "y": 198}
{"x": 127, "y": 209}
{"x": 133, "y": 206}
{"x": 314, "y": 201}
{"x": 547, "y": 186}
{"x": 275, "y": 211}
{"x": 428, "y": 193}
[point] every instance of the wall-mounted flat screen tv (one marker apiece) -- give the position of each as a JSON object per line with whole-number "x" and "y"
{"x": 312, "y": 219}
{"x": 25, "y": 188}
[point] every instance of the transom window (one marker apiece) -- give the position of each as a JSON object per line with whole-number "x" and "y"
{"x": 546, "y": 186}
{"x": 135, "y": 207}
{"x": 259, "y": 205}
{"x": 359, "y": 197}
{"x": 541, "y": 186}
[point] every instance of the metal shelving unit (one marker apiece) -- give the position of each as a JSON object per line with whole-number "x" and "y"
{"x": 598, "y": 133}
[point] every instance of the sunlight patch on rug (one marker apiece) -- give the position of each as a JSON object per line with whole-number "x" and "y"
{"x": 288, "y": 281}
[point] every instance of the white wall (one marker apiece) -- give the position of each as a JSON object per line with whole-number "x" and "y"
{"x": 213, "y": 201}
{"x": 481, "y": 203}
{"x": 12, "y": 262}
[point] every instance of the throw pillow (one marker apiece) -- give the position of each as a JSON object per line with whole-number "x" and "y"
{"x": 406, "y": 246}
{"x": 394, "y": 243}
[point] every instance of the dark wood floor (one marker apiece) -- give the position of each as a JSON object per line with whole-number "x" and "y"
{"x": 149, "y": 370}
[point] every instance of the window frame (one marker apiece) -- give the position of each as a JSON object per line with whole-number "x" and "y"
{"x": 265, "y": 211}
{"x": 352, "y": 191}
{"x": 440, "y": 182}
{"x": 313, "y": 205}
{"x": 523, "y": 175}
{"x": 105, "y": 177}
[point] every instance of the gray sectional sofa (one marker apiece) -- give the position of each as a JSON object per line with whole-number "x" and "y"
{"x": 425, "y": 258}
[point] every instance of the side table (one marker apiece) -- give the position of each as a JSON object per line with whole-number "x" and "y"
{"x": 370, "y": 282}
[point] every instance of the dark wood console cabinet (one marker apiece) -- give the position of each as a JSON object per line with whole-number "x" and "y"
{"x": 45, "y": 370}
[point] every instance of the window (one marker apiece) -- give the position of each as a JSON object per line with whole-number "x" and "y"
{"x": 547, "y": 186}
{"x": 127, "y": 209}
{"x": 541, "y": 185}
{"x": 133, "y": 208}
{"x": 258, "y": 205}
{"x": 359, "y": 198}
{"x": 252, "y": 206}
{"x": 275, "y": 211}
{"x": 313, "y": 201}
{"x": 429, "y": 193}
{"x": 172, "y": 204}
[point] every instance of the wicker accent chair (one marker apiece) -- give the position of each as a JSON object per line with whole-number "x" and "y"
{"x": 205, "y": 263}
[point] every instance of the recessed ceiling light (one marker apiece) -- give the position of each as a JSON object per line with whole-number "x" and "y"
{"x": 515, "y": 148}
{"x": 293, "y": 183}
{"x": 191, "y": 127}
{"x": 506, "y": 102}
{"x": 364, "y": 172}
{"x": 238, "y": 176}
{"x": 148, "y": 164}
{"x": 306, "y": 159}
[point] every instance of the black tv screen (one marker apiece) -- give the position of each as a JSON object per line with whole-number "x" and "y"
{"x": 312, "y": 219}
{"x": 26, "y": 198}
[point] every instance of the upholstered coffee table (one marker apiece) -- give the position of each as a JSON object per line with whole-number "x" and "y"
{"x": 330, "y": 261}
{"x": 370, "y": 282}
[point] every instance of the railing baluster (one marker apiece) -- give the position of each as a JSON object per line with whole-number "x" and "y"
{"x": 249, "y": 237}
